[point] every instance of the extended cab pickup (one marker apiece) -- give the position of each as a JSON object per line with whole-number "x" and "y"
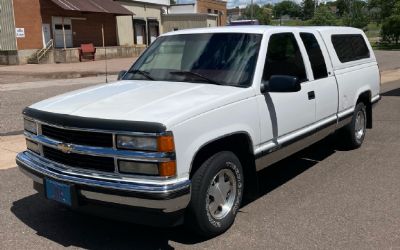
{"x": 182, "y": 134}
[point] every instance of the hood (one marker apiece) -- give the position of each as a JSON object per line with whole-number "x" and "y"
{"x": 168, "y": 103}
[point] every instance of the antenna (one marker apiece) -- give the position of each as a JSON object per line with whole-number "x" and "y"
{"x": 105, "y": 50}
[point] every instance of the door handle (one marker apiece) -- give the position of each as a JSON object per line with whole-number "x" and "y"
{"x": 311, "y": 95}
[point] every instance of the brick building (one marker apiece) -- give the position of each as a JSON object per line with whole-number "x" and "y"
{"x": 34, "y": 24}
{"x": 143, "y": 27}
{"x": 200, "y": 13}
{"x": 216, "y": 7}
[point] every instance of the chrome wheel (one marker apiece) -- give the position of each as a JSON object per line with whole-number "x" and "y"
{"x": 360, "y": 125}
{"x": 221, "y": 194}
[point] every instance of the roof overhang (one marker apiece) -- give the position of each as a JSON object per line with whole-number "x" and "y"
{"x": 97, "y": 6}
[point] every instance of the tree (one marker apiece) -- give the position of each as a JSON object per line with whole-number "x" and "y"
{"x": 323, "y": 17}
{"x": 263, "y": 15}
{"x": 308, "y": 9}
{"x": 356, "y": 14}
{"x": 385, "y": 8}
{"x": 342, "y": 6}
{"x": 287, "y": 8}
{"x": 391, "y": 29}
{"x": 391, "y": 26}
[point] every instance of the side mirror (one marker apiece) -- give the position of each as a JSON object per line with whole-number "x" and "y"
{"x": 281, "y": 84}
{"x": 121, "y": 74}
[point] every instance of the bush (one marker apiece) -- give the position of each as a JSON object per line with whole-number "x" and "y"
{"x": 323, "y": 17}
{"x": 391, "y": 29}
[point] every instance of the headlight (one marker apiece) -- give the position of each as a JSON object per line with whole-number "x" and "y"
{"x": 166, "y": 169}
{"x": 30, "y": 126}
{"x": 163, "y": 143}
{"x": 139, "y": 143}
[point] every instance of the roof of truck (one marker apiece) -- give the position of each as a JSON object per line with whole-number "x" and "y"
{"x": 263, "y": 28}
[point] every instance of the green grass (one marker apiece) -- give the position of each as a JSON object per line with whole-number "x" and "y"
{"x": 379, "y": 46}
{"x": 373, "y": 30}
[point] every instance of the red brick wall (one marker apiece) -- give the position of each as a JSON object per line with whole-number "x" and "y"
{"x": 89, "y": 30}
{"x": 84, "y": 31}
{"x": 30, "y": 14}
{"x": 27, "y": 16}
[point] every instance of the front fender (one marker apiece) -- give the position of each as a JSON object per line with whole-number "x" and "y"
{"x": 192, "y": 134}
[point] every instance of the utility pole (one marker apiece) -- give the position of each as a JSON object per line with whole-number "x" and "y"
{"x": 315, "y": 6}
{"x": 251, "y": 10}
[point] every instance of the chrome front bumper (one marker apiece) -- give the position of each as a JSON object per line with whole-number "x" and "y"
{"x": 167, "y": 198}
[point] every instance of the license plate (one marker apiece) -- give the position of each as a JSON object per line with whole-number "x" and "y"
{"x": 59, "y": 192}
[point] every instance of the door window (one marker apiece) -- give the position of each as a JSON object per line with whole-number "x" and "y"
{"x": 284, "y": 57}
{"x": 315, "y": 55}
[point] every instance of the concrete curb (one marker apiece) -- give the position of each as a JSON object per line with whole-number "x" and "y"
{"x": 390, "y": 76}
{"x": 10, "y": 146}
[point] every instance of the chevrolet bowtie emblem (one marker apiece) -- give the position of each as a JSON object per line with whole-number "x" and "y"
{"x": 65, "y": 147}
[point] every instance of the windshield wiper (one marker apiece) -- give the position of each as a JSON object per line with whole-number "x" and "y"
{"x": 190, "y": 73}
{"x": 141, "y": 72}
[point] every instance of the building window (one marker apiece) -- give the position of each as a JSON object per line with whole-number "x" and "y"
{"x": 216, "y": 12}
{"x": 139, "y": 31}
{"x": 209, "y": 10}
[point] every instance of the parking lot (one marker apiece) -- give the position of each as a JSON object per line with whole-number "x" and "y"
{"x": 321, "y": 198}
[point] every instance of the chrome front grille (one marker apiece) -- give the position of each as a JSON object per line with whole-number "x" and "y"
{"x": 90, "y": 151}
{"x": 96, "y": 139}
{"x": 97, "y": 163}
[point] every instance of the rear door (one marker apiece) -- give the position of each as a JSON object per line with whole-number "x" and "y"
{"x": 322, "y": 78}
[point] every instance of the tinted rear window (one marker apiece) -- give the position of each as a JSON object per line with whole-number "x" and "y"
{"x": 350, "y": 47}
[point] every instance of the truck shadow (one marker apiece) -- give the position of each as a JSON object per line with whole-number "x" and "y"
{"x": 68, "y": 228}
{"x": 280, "y": 173}
{"x": 394, "y": 92}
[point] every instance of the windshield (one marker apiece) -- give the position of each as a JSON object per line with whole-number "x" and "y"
{"x": 217, "y": 58}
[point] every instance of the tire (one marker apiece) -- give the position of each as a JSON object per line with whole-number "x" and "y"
{"x": 205, "y": 215}
{"x": 354, "y": 132}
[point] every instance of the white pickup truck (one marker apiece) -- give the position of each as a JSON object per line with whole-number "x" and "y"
{"x": 182, "y": 134}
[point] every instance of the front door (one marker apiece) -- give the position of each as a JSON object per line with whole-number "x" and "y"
{"x": 289, "y": 113}
{"x": 46, "y": 34}
{"x": 62, "y": 30}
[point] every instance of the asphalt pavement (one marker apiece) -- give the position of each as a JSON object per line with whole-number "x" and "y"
{"x": 15, "y": 97}
{"x": 322, "y": 198}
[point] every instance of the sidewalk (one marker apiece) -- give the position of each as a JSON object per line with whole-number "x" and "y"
{"x": 9, "y": 147}
{"x": 37, "y": 72}
{"x": 390, "y": 76}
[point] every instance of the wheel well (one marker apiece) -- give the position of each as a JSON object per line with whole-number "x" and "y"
{"x": 365, "y": 98}
{"x": 241, "y": 145}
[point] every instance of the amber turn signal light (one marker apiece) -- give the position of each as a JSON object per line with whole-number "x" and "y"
{"x": 165, "y": 143}
{"x": 167, "y": 169}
